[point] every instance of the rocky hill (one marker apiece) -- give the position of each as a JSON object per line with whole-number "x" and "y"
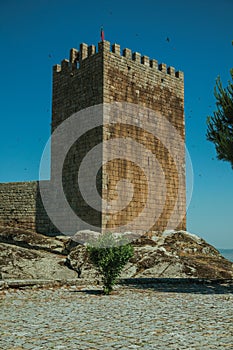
{"x": 177, "y": 254}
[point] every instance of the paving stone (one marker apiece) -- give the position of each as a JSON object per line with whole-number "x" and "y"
{"x": 132, "y": 318}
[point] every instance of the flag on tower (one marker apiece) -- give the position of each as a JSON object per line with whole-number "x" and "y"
{"x": 102, "y": 34}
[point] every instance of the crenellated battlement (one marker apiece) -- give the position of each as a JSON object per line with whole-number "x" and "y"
{"x": 85, "y": 51}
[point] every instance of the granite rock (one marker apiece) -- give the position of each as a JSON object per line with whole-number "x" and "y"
{"x": 25, "y": 254}
{"x": 172, "y": 254}
{"x": 23, "y": 263}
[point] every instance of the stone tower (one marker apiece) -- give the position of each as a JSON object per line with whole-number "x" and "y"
{"x": 108, "y": 75}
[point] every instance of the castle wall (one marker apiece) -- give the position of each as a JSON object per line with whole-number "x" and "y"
{"x": 77, "y": 84}
{"x": 141, "y": 81}
{"x": 21, "y": 206}
{"x": 18, "y": 204}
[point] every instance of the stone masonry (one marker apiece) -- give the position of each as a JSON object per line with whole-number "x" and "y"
{"x": 21, "y": 206}
{"x": 104, "y": 76}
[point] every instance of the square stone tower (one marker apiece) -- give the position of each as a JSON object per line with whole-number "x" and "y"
{"x": 138, "y": 140}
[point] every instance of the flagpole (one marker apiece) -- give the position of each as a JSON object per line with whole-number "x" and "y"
{"x": 102, "y": 33}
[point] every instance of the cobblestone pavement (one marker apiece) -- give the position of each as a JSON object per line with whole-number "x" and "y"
{"x": 82, "y": 318}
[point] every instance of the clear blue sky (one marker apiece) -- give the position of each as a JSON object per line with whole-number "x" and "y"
{"x": 35, "y": 35}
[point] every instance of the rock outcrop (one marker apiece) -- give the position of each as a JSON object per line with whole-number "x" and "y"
{"x": 176, "y": 254}
{"x": 25, "y": 254}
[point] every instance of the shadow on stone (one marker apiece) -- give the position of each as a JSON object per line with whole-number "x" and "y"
{"x": 89, "y": 291}
{"x": 181, "y": 285}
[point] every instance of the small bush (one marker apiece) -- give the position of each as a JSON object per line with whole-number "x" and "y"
{"x": 109, "y": 255}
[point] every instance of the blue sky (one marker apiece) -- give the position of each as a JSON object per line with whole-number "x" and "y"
{"x": 35, "y": 35}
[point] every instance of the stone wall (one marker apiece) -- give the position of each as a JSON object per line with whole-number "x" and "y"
{"x": 77, "y": 84}
{"x": 91, "y": 78}
{"x": 18, "y": 204}
{"x": 142, "y": 82}
{"x": 21, "y": 206}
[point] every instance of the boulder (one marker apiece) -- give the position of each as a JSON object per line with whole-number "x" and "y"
{"x": 85, "y": 237}
{"x": 24, "y": 263}
{"x": 32, "y": 240}
{"x": 173, "y": 254}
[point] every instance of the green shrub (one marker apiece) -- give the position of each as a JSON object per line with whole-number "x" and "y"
{"x": 109, "y": 255}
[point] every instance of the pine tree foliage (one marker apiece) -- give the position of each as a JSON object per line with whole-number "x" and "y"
{"x": 220, "y": 126}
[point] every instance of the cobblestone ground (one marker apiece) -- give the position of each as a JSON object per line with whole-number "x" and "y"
{"x": 73, "y": 318}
